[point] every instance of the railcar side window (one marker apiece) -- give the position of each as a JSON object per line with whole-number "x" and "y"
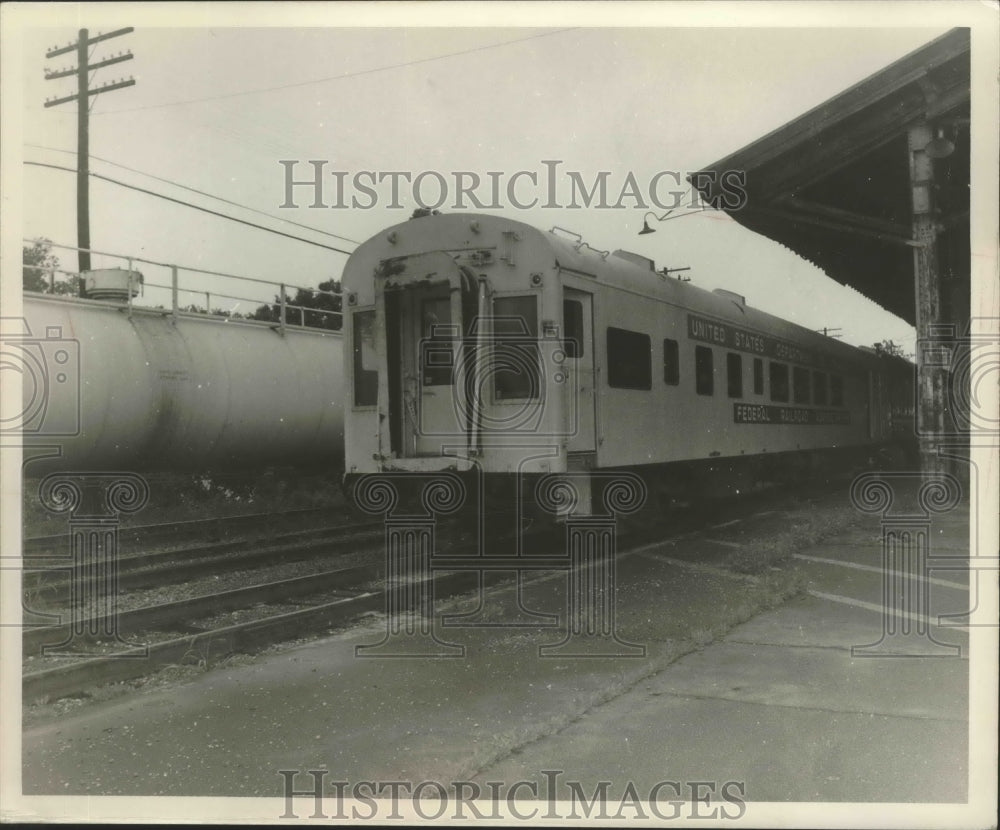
{"x": 819, "y": 388}
{"x": 734, "y": 375}
{"x": 779, "y": 381}
{"x": 800, "y": 384}
{"x": 836, "y": 390}
{"x": 704, "y": 371}
{"x": 573, "y": 326}
{"x": 630, "y": 359}
{"x": 365, "y": 373}
{"x": 671, "y": 362}
{"x": 514, "y": 362}
{"x": 758, "y": 376}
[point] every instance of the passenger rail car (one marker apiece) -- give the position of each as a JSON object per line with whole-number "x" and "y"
{"x": 480, "y": 342}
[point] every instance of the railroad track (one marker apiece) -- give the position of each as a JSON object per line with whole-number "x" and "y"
{"x": 345, "y": 566}
{"x": 179, "y": 613}
{"x": 173, "y": 565}
{"x": 344, "y": 582}
{"x": 205, "y": 530}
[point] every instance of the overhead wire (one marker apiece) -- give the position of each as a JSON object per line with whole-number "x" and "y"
{"x": 199, "y": 192}
{"x": 190, "y": 205}
{"x": 357, "y": 74}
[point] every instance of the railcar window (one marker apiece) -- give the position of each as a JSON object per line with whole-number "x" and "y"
{"x": 758, "y": 376}
{"x": 819, "y": 388}
{"x": 365, "y": 372}
{"x": 836, "y": 390}
{"x": 514, "y": 362}
{"x": 704, "y": 371}
{"x": 800, "y": 384}
{"x": 671, "y": 362}
{"x": 573, "y": 326}
{"x": 436, "y": 355}
{"x": 734, "y": 375}
{"x": 779, "y": 381}
{"x": 630, "y": 359}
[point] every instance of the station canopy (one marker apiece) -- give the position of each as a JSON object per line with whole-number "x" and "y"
{"x": 834, "y": 184}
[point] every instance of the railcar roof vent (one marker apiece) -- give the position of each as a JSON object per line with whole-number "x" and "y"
{"x": 635, "y": 259}
{"x": 739, "y": 299}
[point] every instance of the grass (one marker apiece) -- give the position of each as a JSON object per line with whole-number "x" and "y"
{"x": 811, "y": 528}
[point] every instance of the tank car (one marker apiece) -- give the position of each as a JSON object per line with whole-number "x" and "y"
{"x": 107, "y": 387}
{"x": 479, "y": 344}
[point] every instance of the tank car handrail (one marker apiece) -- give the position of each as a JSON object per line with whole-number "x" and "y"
{"x": 156, "y": 310}
{"x": 249, "y": 321}
{"x": 281, "y": 300}
{"x": 192, "y": 269}
{"x": 217, "y": 294}
{"x": 72, "y": 299}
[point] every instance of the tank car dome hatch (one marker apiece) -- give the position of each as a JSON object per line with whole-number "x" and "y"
{"x": 111, "y": 283}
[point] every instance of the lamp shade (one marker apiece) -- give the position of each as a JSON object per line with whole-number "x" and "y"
{"x": 940, "y": 146}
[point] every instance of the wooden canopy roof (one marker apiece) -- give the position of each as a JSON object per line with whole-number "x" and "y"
{"x": 834, "y": 184}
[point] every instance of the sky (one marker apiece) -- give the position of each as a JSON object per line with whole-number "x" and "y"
{"x": 217, "y": 106}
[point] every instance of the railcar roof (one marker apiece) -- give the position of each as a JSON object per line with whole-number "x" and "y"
{"x": 611, "y": 269}
{"x": 616, "y": 270}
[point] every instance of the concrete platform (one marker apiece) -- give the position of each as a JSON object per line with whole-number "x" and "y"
{"x": 781, "y": 705}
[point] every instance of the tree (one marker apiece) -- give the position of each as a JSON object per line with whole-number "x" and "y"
{"x": 325, "y": 315}
{"x": 891, "y": 349}
{"x": 37, "y": 259}
{"x": 40, "y": 266}
{"x": 230, "y": 315}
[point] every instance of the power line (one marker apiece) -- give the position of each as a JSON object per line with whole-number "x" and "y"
{"x": 188, "y": 204}
{"x": 200, "y": 193}
{"x": 344, "y": 76}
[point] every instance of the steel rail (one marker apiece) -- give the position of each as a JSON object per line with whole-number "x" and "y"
{"x": 163, "y": 568}
{"x": 143, "y": 534}
{"x": 167, "y": 614}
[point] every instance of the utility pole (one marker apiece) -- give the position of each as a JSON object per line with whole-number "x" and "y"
{"x": 83, "y": 92}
